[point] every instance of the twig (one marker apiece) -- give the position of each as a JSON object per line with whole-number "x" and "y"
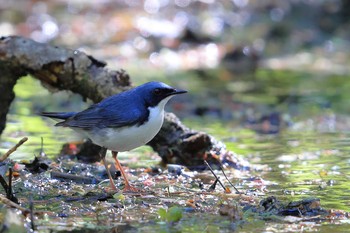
{"x": 9, "y": 190}
{"x": 8, "y": 187}
{"x": 42, "y": 153}
{"x": 31, "y": 208}
{"x": 238, "y": 192}
{"x": 212, "y": 187}
{"x": 10, "y": 203}
{"x": 215, "y": 176}
{"x": 76, "y": 178}
{"x": 13, "y": 149}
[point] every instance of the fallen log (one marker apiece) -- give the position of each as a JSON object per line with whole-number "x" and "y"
{"x": 64, "y": 69}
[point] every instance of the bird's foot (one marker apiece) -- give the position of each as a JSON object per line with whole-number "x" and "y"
{"x": 131, "y": 189}
{"x": 111, "y": 189}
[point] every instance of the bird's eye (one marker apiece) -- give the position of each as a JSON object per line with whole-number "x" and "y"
{"x": 156, "y": 91}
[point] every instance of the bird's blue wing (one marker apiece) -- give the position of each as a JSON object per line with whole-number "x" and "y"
{"x": 108, "y": 114}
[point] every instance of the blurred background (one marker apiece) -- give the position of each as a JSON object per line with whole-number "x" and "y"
{"x": 269, "y": 78}
{"x": 187, "y": 34}
{"x": 183, "y": 34}
{"x": 222, "y": 50}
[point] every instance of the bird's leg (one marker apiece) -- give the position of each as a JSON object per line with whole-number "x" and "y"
{"x": 128, "y": 187}
{"x": 103, "y": 157}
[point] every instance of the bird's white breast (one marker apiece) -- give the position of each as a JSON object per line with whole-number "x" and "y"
{"x": 128, "y": 138}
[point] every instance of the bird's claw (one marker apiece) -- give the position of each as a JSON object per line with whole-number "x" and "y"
{"x": 131, "y": 189}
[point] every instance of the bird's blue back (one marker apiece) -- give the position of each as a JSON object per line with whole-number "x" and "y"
{"x": 124, "y": 109}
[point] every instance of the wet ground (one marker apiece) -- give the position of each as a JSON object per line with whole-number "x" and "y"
{"x": 293, "y": 132}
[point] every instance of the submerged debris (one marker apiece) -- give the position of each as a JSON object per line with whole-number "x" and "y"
{"x": 74, "y": 178}
{"x": 233, "y": 211}
{"x": 74, "y": 196}
{"x": 38, "y": 165}
{"x": 305, "y": 209}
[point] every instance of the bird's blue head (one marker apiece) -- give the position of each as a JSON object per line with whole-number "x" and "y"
{"x": 154, "y": 92}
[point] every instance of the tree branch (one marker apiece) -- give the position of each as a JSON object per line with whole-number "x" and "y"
{"x": 64, "y": 69}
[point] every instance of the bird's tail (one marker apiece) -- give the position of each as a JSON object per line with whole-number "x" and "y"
{"x": 58, "y": 115}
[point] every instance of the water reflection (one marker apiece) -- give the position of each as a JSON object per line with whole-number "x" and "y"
{"x": 303, "y": 142}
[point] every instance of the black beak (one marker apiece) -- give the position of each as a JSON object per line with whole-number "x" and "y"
{"x": 174, "y": 91}
{"x": 179, "y": 91}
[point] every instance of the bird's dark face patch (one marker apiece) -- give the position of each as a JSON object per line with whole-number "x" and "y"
{"x": 159, "y": 91}
{"x": 163, "y": 92}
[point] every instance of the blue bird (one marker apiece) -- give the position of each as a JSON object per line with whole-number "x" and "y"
{"x": 121, "y": 122}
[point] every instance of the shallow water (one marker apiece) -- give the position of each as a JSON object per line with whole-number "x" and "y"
{"x": 308, "y": 156}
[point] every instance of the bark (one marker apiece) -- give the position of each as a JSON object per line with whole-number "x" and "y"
{"x": 64, "y": 69}
{"x": 7, "y": 82}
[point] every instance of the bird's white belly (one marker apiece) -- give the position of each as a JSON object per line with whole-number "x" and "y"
{"x": 128, "y": 138}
